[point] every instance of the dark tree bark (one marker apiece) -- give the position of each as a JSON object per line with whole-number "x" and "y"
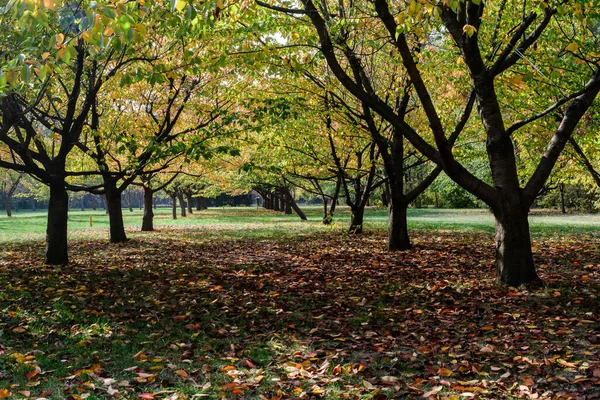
{"x": 148, "y": 218}
{"x": 115, "y": 211}
{"x": 288, "y": 203}
{"x": 174, "y": 206}
{"x": 514, "y": 258}
{"x": 83, "y": 203}
{"x": 276, "y": 201}
{"x": 398, "y": 238}
{"x": 198, "y": 204}
{"x": 190, "y": 199}
{"x": 56, "y": 230}
{"x": 291, "y": 202}
{"x": 357, "y": 220}
{"x": 181, "y": 203}
{"x": 326, "y": 218}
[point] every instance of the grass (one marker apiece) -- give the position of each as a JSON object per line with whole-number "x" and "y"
{"x": 250, "y": 221}
{"x": 243, "y": 303}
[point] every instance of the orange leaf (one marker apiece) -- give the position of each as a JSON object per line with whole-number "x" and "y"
{"x": 182, "y": 373}
{"x": 33, "y": 373}
{"x": 249, "y": 364}
{"x": 444, "y": 372}
{"x": 227, "y": 368}
{"x": 4, "y": 393}
{"x": 140, "y": 355}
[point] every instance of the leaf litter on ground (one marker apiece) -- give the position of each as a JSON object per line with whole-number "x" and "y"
{"x": 171, "y": 315}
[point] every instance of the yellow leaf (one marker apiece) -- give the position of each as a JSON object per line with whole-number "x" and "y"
{"x": 60, "y": 38}
{"x": 87, "y": 36}
{"x": 469, "y": 30}
{"x": 444, "y": 372}
{"x": 572, "y": 47}
{"x": 180, "y": 5}
{"x": 49, "y": 4}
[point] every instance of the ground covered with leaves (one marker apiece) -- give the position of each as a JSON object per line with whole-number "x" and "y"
{"x": 177, "y": 314}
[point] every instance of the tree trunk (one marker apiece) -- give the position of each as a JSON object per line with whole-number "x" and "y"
{"x": 276, "y": 203}
{"x": 83, "y": 203}
{"x": 287, "y": 205}
{"x": 7, "y": 206}
{"x": 181, "y": 204}
{"x": 148, "y": 218}
{"x": 561, "y": 187}
{"x": 514, "y": 257}
{"x": 56, "y": 230}
{"x": 115, "y": 212}
{"x": 398, "y": 225}
{"x": 33, "y": 204}
{"x": 198, "y": 204}
{"x": 189, "y": 203}
{"x": 174, "y": 206}
{"x": 326, "y": 218}
{"x": 356, "y": 220}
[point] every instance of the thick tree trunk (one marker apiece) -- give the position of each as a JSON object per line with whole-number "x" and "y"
{"x": 174, "y": 206}
{"x": 56, "y": 230}
{"x": 356, "y": 220}
{"x": 198, "y": 204}
{"x": 181, "y": 204}
{"x": 115, "y": 213}
{"x": 189, "y": 203}
{"x": 514, "y": 257}
{"x": 148, "y": 218}
{"x": 288, "y": 203}
{"x": 7, "y": 205}
{"x": 398, "y": 225}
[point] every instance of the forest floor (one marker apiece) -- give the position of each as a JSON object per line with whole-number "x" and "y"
{"x": 188, "y": 313}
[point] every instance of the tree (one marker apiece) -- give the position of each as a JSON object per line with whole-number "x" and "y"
{"x": 42, "y": 123}
{"x": 9, "y": 183}
{"x": 471, "y": 28}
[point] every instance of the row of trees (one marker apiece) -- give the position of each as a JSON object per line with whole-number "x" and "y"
{"x": 336, "y": 98}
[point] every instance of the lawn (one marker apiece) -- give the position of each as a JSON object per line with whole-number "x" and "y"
{"x": 249, "y": 304}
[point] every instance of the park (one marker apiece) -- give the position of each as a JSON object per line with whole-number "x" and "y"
{"x": 299, "y": 199}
